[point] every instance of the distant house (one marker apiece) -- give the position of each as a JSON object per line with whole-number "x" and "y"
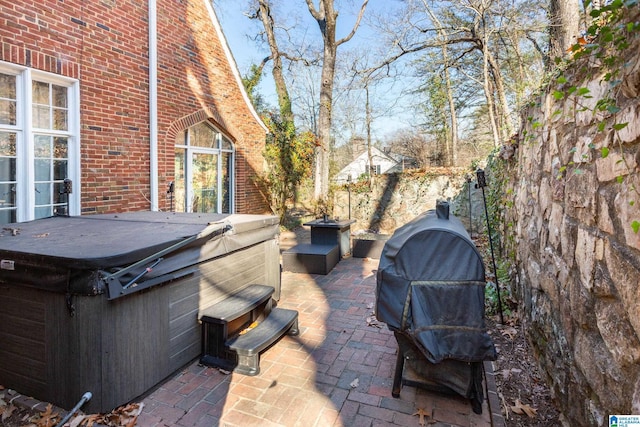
{"x": 139, "y": 104}
{"x": 381, "y": 163}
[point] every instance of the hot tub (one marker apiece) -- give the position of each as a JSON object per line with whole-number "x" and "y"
{"x": 110, "y": 303}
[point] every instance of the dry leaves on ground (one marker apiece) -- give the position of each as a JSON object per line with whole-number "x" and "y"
{"x": 12, "y": 415}
{"x": 526, "y": 398}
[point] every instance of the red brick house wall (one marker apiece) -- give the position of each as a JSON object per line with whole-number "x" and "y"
{"x": 105, "y": 44}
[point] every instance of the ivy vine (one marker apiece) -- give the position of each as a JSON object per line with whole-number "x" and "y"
{"x": 607, "y": 44}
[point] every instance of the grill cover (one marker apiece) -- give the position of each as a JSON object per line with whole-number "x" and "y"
{"x": 430, "y": 288}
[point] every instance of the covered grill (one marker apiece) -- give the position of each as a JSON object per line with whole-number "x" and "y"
{"x": 430, "y": 292}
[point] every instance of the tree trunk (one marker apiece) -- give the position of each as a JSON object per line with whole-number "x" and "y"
{"x": 368, "y": 123}
{"x": 451, "y": 144}
{"x": 284, "y": 101}
{"x": 564, "y": 28}
{"x": 488, "y": 93}
{"x": 321, "y": 189}
{"x": 507, "y": 127}
{"x": 326, "y": 18}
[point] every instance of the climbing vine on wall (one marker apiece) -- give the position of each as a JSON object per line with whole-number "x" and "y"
{"x": 609, "y": 45}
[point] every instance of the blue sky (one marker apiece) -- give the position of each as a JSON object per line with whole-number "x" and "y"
{"x": 238, "y": 29}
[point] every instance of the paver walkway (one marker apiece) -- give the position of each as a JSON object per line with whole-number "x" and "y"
{"x": 337, "y": 372}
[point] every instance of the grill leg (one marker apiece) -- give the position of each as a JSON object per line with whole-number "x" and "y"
{"x": 397, "y": 377}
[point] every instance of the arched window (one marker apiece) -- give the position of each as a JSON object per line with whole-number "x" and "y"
{"x": 204, "y": 170}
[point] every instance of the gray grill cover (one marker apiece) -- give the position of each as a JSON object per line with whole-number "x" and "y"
{"x": 430, "y": 287}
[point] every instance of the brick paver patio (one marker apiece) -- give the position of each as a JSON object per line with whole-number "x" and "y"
{"x": 337, "y": 372}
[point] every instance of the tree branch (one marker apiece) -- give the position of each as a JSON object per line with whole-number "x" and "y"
{"x": 355, "y": 26}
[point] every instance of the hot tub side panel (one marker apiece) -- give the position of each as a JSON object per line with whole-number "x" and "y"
{"x": 24, "y": 338}
{"x": 117, "y": 349}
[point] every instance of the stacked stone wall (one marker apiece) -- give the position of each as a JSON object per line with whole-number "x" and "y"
{"x": 575, "y": 189}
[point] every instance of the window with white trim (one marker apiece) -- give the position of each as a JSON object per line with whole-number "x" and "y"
{"x": 204, "y": 171}
{"x": 39, "y": 144}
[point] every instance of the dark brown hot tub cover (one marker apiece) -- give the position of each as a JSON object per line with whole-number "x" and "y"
{"x": 84, "y": 254}
{"x": 430, "y": 287}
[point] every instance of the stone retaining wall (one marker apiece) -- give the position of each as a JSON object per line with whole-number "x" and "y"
{"x": 574, "y": 186}
{"x": 396, "y": 199}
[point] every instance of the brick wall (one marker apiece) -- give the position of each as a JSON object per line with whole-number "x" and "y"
{"x": 105, "y": 44}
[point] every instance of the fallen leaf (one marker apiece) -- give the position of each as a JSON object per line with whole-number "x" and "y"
{"x": 12, "y": 230}
{"x": 250, "y": 327}
{"x": 355, "y": 383}
{"x": 370, "y": 305}
{"x": 510, "y": 332}
{"x": 371, "y": 321}
{"x": 421, "y": 413}
{"x": 48, "y": 418}
{"x": 521, "y": 408}
{"x": 7, "y": 411}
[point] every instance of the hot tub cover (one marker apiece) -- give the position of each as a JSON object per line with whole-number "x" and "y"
{"x": 86, "y": 254}
{"x": 430, "y": 287}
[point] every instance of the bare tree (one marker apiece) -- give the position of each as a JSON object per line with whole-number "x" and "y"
{"x": 284, "y": 101}
{"x": 451, "y": 150}
{"x": 414, "y": 145}
{"x": 326, "y": 17}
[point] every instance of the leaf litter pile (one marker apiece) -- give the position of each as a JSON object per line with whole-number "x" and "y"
{"x": 13, "y": 415}
{"x": 524, "y": 395}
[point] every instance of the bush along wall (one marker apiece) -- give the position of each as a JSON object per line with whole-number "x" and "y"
{"x": 574, "y": 215}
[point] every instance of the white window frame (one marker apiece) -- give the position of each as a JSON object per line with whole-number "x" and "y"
{"x": 218, "y": 151}
{"x": 25, "y": 174}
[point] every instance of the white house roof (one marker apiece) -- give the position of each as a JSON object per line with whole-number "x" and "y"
{"x": 360, "y": 165}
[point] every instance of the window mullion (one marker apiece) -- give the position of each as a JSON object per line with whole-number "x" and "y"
{"x": 188, "y": 176}
{"x": 26, "y": 210}
{"x": 219, "y": 181}
{"x": 73, "y": 147}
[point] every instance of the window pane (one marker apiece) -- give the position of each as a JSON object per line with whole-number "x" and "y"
{"x": 43, "y": 212}
{"x": 7, "y": 86}
{"x": 59, "y": 170}
{"x": 60, "y": 147}
{"x": 179, "y": 195}
{"x": 202, "y": 135}
{"x": 41, "y": 117}
{"x": 42, "y": 169}
{"x": 226, "y": 183}
{"x": 43, "y": 193}
{"x": 7, "y": 169}
{"x": 58, "y": 195}
{"x": 7, "y": 216}
{"x": 7, "y": 99}
{"x": 7, "y": 195}
{"x": 60, "y": 119}
{"x": 204, "y": 183}
{"x": 40, "y": 93}
{"x": 42, "y": 146}
{"x": 226, "y": 144}
{"x": 7, "y": 144}
{"x": 59, "y": 96}
{"x": 7, "y": 112}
